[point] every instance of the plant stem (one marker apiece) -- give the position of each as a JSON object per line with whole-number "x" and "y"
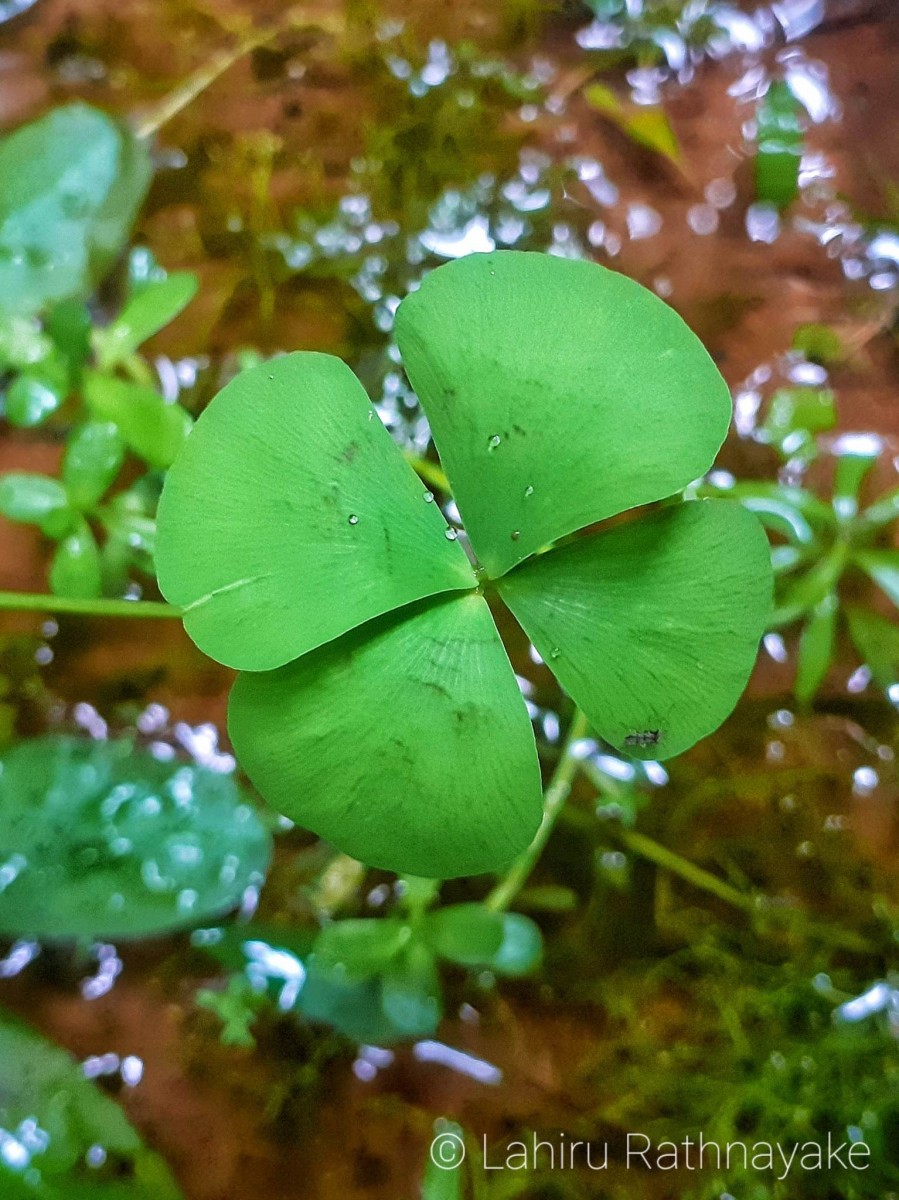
{"x": 184, "y": 93}
{"x": 557, "y": 792}
{"x": 44, "y": 602}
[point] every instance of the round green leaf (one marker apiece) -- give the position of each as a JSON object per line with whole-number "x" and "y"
{"x": 521, "y": 950}
{"x": 652, "y": 627}
{"x": 361, "y": 949}
{"x": 290, "y": 517}
{"x": 45, "y": 1093}
{"x": 558, "y": 392}
{"x": 35, "y": 395}
{"x": 70, "y": 186}
{"x": 100, "y": 840}
{"x": 469, "y": 934}
{"x": 152, "y": 428}
{"x": 405, "y": 743}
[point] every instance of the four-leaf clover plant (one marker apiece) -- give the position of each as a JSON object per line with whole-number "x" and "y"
{"x": 376, "y": 704}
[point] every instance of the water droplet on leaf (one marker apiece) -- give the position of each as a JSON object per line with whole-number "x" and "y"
{"x": 516, "y": 534}
{"x": 529, "y": 491}
{"x": 428, "y": 497}
{"x": 354, "y": 520}
{"x": 451, "y": 535}
{"x": 494, "y": 441}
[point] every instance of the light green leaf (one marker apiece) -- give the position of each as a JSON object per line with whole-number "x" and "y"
{"x": 70, "y": 186}
{"x": 521, "y": 949}
{"x": 816, "y": 648}
{"x": 91, "y": 462}
{"x": 150, "y": 309}
{"x": 469, "y": 934}
{"x": 23, "y": 342}
{"x": 405, "y": 743}
{"x": 780, "y": 144}
{"x": 877, "y": 642}
{"x": 444, "y": 1175}
{"x": 559, "y": 393}
{"x": 647, "y": 126}
{"x": 290, "y": 517}
{"x": 883, "y": 510}
{"x": 151, "y": 428}
{"x": 795, "y": 416}
{"x": 36, "y": 394}
{"x": 361, "y": 949}
{"x": 51, "y": 1116}
{"x": 75, "y": 570}
{"x": 107, "y": 841}
{"x": 34, "y": 499}
{"x": 883, "y": 567}
{"x": 651, "y": 627}
{"x": 856, "y": 457}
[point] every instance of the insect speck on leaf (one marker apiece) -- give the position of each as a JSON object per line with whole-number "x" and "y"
{"x": 646, "y": 737}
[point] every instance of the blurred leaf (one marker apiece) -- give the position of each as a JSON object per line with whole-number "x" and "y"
{"x": 75, "y": 569}
{"x": 71, "y": 183}
{"x": 548, "y": 898}
{"x": 360, "y": 949}
{"x": 91, "y": 462}
{"x": 108, "y": 841}
{"x": 410, "y": 992}
{"x": 877, "y": 641}
{"x": 795, "y": 416}
{"x": 69, "y": 325}
{"x": 521, "y": 949}
{"x": 151, "y": 428}
{"x": 819, "y": 343}
{"x": 36, "y": 393}
{"x": 149, "y": 309}
{"x": 884, "y": 510}
{"x": 648, "y": 127}
{"x": 806, "y": 593}
{"x": 883, "y": 567}
{"x": 469, "y": 934}
{"x": 856, "y": 457}
{"x": 22, "y": 342}
{"x": 34, "y": 499}
{"x": 780, "y": 145}
{"x": 51, "y": 1117}
{"x": 816, "y": 647}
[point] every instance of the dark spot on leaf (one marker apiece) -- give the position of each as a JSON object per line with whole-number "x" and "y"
{"x": 645, "y": 737}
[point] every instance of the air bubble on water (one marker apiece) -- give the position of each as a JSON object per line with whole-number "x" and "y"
{"x": 353, "y": 519}
{"x": 494, "y": 441}
{"x": 428, "y": 497}
{"x": 450, "y": 535}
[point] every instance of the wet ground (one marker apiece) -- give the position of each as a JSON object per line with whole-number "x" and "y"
{"x": 306, "y": 187}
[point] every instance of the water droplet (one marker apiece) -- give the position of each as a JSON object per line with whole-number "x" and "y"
{"x": 428, "y": 497}
{"x": 494, "y": 441}
{"x": 354, "y": 520}
{"x": 516, "y": 534}
{"x": 451, "y": 535}
{"x": 528, "y": 491}
{"x": 272, "y": 378}
{"x": 555, "y": 652}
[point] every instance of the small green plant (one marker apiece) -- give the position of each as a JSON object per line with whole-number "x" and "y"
{"x": 304, "y": 553}
{"x": 70, "y": 186}
{"x": 781, "y": 140}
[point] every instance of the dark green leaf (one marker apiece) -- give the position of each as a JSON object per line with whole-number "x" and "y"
{"x": 91, "y": 462}
{"x": 45, "y": 1091}
{"x": 75, "y": 569}
{"x": 150, "y": 309}
{"x": 70, "y": 186}
{"x": 559, "y": 393}
{"x": 290, "y": 517}
{"x": 427, "y": 694}
{"x": 653, "y": 626}
{"x": 469, "y": 934}
{"x": 153, "y": 429}
{"x": 107, "y": 841}
{"x": 816, "y": 647}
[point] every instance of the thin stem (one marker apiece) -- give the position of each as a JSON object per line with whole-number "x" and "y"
{"x": 44, "y": 602}
{"x": 184, "y": 93}
{"x": 557, "y": 792}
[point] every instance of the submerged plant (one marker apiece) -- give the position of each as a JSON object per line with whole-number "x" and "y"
{"x": 376, "y": 703}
